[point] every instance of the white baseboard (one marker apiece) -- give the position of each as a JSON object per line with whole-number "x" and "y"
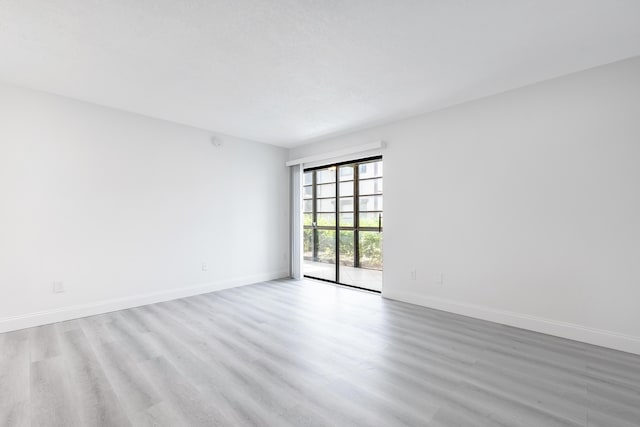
{"x": 603, "y": 338}
{"x": 83, "y": 310}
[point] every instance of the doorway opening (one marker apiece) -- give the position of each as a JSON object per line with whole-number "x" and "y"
{"x": 342, "y": 223}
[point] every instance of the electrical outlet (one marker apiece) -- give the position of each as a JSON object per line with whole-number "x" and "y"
{"x": 58, "y": 287}
{"x": 412, "y": 274}
{"x": 205, "y": 266}
{"x": 440, "y": 279}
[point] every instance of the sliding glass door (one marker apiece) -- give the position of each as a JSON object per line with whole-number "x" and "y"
{"x": 320, "y": 223}
{"x": 343, "y": 223}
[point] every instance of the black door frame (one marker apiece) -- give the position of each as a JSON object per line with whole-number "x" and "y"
{"x": 356, "y": 228}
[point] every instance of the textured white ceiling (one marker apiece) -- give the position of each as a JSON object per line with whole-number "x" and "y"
{"x": 290, "y": 71}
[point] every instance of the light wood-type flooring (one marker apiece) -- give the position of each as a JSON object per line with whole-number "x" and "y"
{"x": 287, "y": 353}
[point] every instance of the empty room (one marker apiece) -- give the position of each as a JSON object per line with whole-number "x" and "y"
{"x": 320, "y": 213}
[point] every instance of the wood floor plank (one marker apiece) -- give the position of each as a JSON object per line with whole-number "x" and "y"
{"x": 195, "y": 409}
{"x": 51, "y": 394}
{"x": 43, "y": 342}
{"x": 14, "y": 379}
{"x": 93, "y": 397}
{"x": 127, "y": 380}
{"x": 302, "y": 353}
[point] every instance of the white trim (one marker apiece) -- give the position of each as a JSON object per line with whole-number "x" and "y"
{"x": 339, "y": 153}
{"x": 572, "y": 331}
{"x": 74, "y": 312}
{"x": 296, "y": 222}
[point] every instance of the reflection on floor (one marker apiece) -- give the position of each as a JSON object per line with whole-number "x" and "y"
{"x": 360, "y": 277}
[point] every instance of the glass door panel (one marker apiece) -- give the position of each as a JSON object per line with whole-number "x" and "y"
{"x": 343, "y": 223}
{"x": 323, "y": 265}
{"x": 307, "y": 244}
{"x": 370, "y": 249}
{"x": 319, "y": 222}
{"x": 347, "y": 250}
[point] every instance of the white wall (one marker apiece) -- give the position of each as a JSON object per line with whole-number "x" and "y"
{"x": 528, "y": 203}
{"x": 124, "y": 209}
